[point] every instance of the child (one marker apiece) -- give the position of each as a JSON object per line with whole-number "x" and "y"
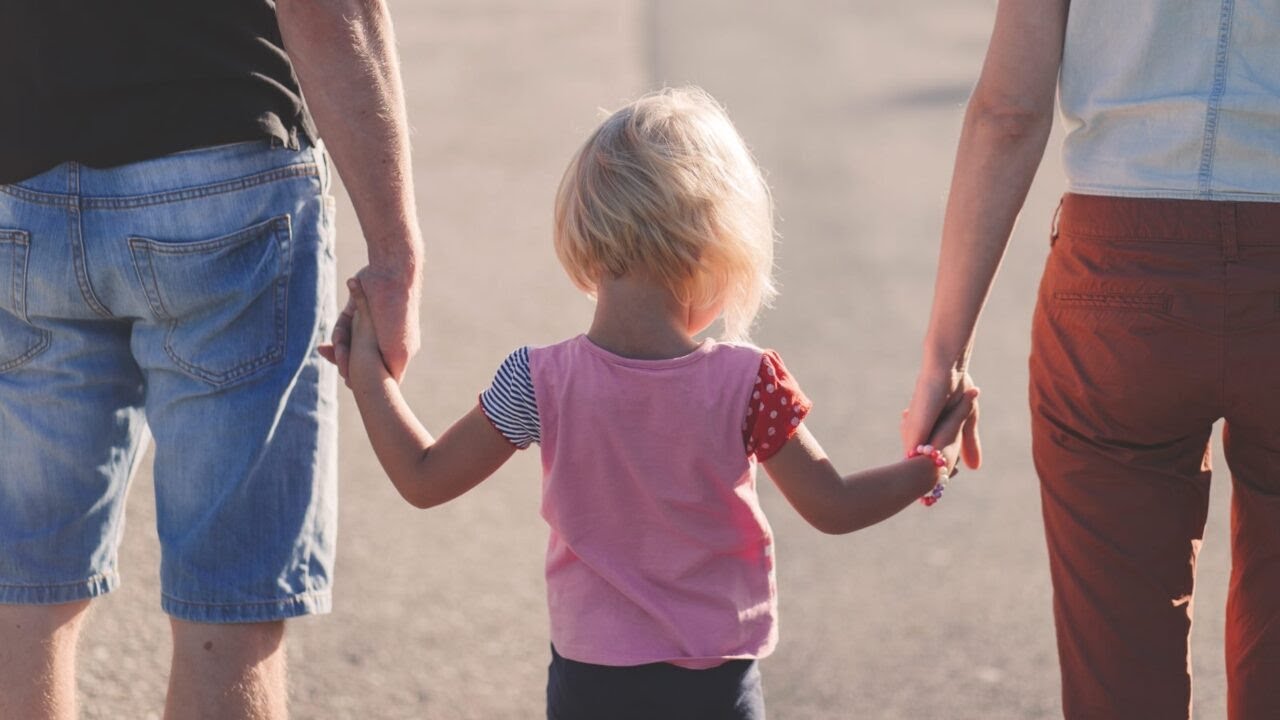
{"x": 659, "y": 569}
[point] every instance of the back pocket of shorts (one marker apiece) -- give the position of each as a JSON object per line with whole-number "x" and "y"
{"x": 224, "y": 300}
{"x": 19, "y": 341}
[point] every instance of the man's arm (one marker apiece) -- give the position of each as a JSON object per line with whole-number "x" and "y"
{"x": 343, "y": 52}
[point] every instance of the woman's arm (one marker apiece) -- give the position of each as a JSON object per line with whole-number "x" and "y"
{"x": 1006, "y": 126}
{"x": 426, "y": 471}
{"x": 838, "y": 505}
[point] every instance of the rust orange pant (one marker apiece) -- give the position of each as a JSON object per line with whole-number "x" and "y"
{"x": 1155, "y": 319}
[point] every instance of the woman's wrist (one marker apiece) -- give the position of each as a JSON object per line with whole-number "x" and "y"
{"x": 942, "y": 362}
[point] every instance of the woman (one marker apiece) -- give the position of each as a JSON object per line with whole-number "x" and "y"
{"x": 1158, "y": 314}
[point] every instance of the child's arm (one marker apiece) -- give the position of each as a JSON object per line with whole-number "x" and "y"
{"x": 837, "y": 505}
{"x": 427, "y": 472}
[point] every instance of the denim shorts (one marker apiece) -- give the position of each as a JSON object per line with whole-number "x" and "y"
{"x": 181, "y": 299}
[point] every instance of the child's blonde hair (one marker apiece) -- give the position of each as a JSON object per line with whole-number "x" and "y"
{"x": 666, "y": 187}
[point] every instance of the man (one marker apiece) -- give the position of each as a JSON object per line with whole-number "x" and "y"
{"x": 166, "y": 263}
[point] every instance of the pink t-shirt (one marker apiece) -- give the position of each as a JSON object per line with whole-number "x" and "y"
{"x": 659, "y": 550}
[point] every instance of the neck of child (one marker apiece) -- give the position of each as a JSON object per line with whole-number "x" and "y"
{"x": 638, "y": 318}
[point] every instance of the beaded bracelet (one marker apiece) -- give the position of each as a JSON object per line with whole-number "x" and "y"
{"x": 940, "y": 462}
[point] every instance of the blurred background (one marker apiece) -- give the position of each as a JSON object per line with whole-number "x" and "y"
{"x": 853, "y": 109}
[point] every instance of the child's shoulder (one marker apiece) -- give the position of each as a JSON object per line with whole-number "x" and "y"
{"x": 764, "y": 356}
{"x": 738, "y": 347}
{"x": 523, "y": 353}
{"x": 764, "y": 363}
{"x": 734, "y": 352}
{"x": 534, "y": 352}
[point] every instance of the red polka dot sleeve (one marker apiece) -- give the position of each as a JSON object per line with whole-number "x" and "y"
{"x": 775, "y": 412}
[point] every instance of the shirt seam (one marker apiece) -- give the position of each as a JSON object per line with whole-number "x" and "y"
{"x": 1214, "y": 101}
{"x": 1168, "y": 193}
{"x": 692, "y": 356}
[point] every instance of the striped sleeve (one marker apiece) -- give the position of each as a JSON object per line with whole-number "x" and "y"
{"x": 509, "y": 402}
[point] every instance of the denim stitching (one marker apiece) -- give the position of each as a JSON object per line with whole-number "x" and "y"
{"x": 203, "y": 246}
{"x": 290, "y": 600}
{"x": 18, "y": 238}
{"x": 274, "y": 354}
{"x": 94, "y": 578}
{"x": 19, "y": 241}
{"x": 137, "y": 201}
{"x": 75, "y": 235}
{"x": 14, "y": 297}
{"x": 285, "y": 234}
{"x": 279, "y": 229}
{"x": 142, "y": 256}
{"x": 1214, "y": 101}
{"x": 35, "y": 350}
{"x": 36, "y": 196}
{"x": 243, "y": 183}
{"x": 220, "y": 379}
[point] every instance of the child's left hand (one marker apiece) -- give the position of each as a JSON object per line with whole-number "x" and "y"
{"x": 948, "y": 433}
{"x": 366, "y": 366}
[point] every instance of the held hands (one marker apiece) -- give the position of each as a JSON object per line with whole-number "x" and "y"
{"x": 358, "y": 345}
{"x": 949, "y": 434}
{"x": 938, "y": 400}
{"x": 393, "y": 301}
{"x": 943, "y": 449}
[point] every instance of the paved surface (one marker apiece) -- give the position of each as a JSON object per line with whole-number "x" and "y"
{"x": 853, "y": 108}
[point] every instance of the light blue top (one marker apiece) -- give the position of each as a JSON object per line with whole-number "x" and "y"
{"x": 1172, "y": 99}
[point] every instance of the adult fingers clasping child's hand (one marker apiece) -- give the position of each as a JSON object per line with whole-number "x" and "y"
{"x": 947, "y": 433}
{"x": 338, "y": 350}
{"x": 366, "y": 361}
{"x": 934, "y": 393}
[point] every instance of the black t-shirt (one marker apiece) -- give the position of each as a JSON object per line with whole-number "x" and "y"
{"x": 108, "y": 82}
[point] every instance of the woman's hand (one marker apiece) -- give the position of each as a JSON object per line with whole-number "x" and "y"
{"x": 951, "y": 433}
{"x": 936, "y": 395}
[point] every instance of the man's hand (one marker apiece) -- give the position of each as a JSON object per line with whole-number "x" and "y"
{"x": 392, "y": 299}
{"x": 366, "y": 364}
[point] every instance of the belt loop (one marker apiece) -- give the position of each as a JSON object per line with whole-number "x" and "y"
{"x": 326, "y": 165}
{"x": 1053, "y": 224}
{"x": 73, "y": 180}
{"x": 1227, "y": 226}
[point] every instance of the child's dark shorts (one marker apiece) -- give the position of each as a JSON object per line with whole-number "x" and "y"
{"x": 582, "y": 691}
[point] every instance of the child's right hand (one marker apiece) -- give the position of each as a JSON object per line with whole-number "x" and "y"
{"x": 367, "y": 366}
{"x": 946, "y": 433}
